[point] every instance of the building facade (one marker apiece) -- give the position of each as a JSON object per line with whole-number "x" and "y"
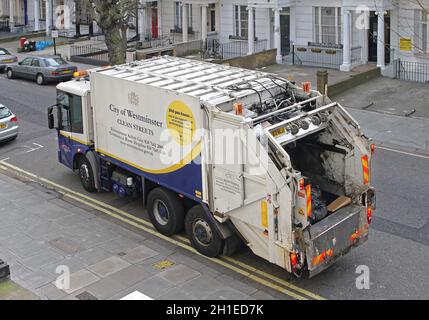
{"x": 376, "y": 31}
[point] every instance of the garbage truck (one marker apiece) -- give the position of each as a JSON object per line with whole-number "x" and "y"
{"x": 228, "y": 155}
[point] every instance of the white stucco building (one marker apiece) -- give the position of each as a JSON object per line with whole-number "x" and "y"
{"x": 361, "y": 31}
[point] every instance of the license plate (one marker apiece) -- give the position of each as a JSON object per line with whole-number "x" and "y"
{"x": 278, "y": 132}
{"x": 7, "y": 61}
{"x": 67, "y": 72}
{"x": 3, "y": 126}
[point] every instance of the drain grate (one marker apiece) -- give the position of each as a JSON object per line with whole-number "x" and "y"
{"x": 86, "y": 296}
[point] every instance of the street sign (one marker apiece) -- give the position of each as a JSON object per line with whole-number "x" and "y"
{"x": 54, "y": 34}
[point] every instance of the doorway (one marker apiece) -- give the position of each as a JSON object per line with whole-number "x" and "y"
{"x": 154, "y": 12}
{"x": 373, "y": 35}
{"x": 285, "y": 34}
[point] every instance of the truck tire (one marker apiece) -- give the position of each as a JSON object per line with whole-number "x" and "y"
{"x": 202, "y": 234}
{"x": 86, "y": 174}
{"x": 165, "y": 211}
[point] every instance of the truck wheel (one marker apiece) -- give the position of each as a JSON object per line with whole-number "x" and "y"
{"x": 165, "y": 211}
{"x": 202, "y": 234}
{"x": 86, "y": 174}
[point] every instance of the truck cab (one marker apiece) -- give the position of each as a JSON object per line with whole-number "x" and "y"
{"x": 74, "y": 125}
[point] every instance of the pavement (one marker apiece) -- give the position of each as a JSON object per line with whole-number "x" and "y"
{"x": 390, "y": 97}
{"x": 43, "y": 236}
{"x": 74, "y": 231}
{"x": 301, "y": 74}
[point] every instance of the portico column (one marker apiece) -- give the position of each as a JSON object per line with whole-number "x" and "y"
{"x": 159, "y": 3}
{"x": 380, "y": 40}
{"x": 364, "y": 55}
{"x": 346, "y": 66}
{"x": 12, "y": 11}
{"x": 36, "y": 15}
{"x": 48, "y": 16}
{"x": 184, "y": 22}
{"x": 251, "y": 29}
{"x": 204, "y": 22}
{"x": 142, "y": 20}
{"x": 277, "y": 40}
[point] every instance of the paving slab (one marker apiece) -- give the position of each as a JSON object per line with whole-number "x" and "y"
{"x": 105, "y": 288}
{"x": 131, "y": 275}
{"x": 109, "y": 266}
{"x": 139, "y": 254}
{"x": 80, "y": 279}
{"x": 179, "y": 274}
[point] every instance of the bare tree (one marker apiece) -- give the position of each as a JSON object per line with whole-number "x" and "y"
{"x": 113, "y": 17}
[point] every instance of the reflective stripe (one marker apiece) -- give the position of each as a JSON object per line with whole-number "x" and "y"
{"x": 308, "y": 195}
{"x": 365, "y": 169}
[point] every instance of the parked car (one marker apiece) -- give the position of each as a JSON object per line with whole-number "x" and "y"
{"x": 42, "y": 69}
{"x": 8, "y": 124}
{"x": 5, "y": 58}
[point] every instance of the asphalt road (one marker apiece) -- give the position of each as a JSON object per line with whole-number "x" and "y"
{"x": 396, "y": 254}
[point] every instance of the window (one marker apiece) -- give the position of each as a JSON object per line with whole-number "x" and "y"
{"x": 241, "y": 21}
{"x": 4, "y": 112}
{"x": 71, "y": 106}
{"x": 35, "y": 63}
{"x": 178, "y": 12}
{"x": 4, "y": 52}
{"x": 327, "y": 25}
{"x": 55, "y": 62}
{"x": 26, "y": 62}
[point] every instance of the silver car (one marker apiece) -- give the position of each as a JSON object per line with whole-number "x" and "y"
{"x": 8, "y": 124}
{"x": 5, "y": 58}
{"x": 42, "y": 69}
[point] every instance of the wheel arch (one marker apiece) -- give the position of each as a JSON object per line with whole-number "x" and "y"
{"x": 92, "y": 157}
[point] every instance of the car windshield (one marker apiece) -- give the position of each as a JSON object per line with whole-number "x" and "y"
{"x": 55, "y": 62}
{"x": 4, "y": 52}
{"x": 4, "y": 112}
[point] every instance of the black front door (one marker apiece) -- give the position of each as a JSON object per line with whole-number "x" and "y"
{"x": 285, "y": 34}
{"x": 372, "y": 38}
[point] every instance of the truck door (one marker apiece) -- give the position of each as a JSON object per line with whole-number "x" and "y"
{"x": 71, "y": 134}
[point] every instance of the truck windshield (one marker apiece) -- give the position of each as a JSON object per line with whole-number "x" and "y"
{"x": 71, "y": 106}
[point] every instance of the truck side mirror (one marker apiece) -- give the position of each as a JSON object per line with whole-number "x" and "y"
{"x": 51, "y": 123}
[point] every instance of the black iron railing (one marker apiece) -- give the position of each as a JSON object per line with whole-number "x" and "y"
{"x": 412, "y": 71}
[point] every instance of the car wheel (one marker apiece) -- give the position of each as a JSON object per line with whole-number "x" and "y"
{"x": 40, "y": 79}
{"x": 9, "y": 74}
{"x": 202, "y": 233}
{"x": 86, "y": 174}
{"x": 165, "y": 211}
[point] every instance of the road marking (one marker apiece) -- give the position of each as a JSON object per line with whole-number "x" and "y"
{"x": 5, "y": 159}
{"x": 404, "y": 152}
{"x": 127, "y": 218}
{"x": 30, "y": 149}
{"x": 136, "y": 295}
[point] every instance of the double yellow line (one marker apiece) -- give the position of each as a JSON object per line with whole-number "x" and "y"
{"x": 240, "y": 267}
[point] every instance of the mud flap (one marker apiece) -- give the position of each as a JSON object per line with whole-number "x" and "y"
{"x": 332, "y": 237}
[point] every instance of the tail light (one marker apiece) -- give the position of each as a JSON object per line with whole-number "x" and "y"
{"x": 365, "y": 169}
{"x": 301, "y": 184}
{"x": 372, "y": 149}
{"x": 308, "y": 197}
{"x": 14, "y": 120}
{"x": 55, "y": 73}
{"x": 369, "y": 214}
{"x": 293, "y": 259}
